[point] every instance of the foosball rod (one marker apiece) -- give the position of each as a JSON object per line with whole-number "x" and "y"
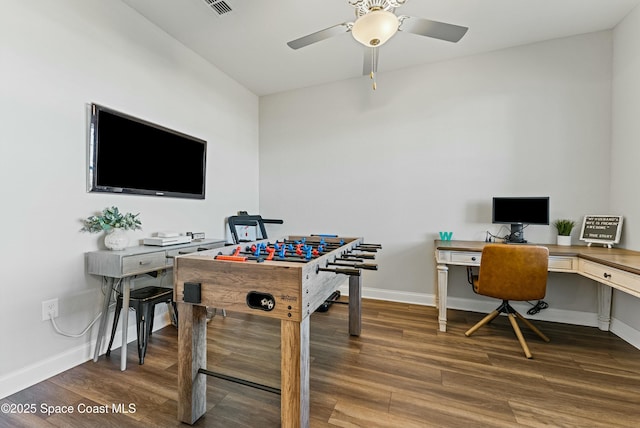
{"x": 328, "y": 245}
{"x": 348, "y": 260}
{"x": 378, "y": 246}
{"x": 265, "y": 251}
{"x": 343, "y": 271}
{"x": 359, "y": 256}
{"x": 355, "y": 265}
{"x": 287, "y": 257}
{"x": 366, "y": 249}
{"x": 362, "y": 245}
{"x": 266, "y": 256}
{"x": 244, "y": 258}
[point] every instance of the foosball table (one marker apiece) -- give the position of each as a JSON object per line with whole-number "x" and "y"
{"x": 287, "y": 280}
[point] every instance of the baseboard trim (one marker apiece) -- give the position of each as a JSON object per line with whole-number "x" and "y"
{"x": 42, "y": 370}
{"x": 625, "y": 332}
{"x": 393, "y": 295}
{"x": 589, "y": 319}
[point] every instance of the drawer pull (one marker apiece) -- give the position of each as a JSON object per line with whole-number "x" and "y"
{"x": 473, "y": 259}
{"x": 607, "y": 275}
{"x": 144, "y": 263}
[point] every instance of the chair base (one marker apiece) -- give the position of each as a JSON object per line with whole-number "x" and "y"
{"x": 506, "y": 308}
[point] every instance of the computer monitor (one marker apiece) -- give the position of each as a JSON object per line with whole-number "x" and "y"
{"x": 518, "y": 212}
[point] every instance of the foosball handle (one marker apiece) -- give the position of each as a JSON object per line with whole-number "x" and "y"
{"x": 343, "y": 271}
{"x": 231, "y": 258}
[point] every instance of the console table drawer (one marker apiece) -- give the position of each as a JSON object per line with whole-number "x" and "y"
{"x": 466, "y": 257}
{"x": 144, "y": 263}
{"x": 173, "y": 253}
{"x": 613, "y": 277}
{"x": 188, "y": 250}
{"x": 562, "y": 263}
{"x": 458, "y": 257}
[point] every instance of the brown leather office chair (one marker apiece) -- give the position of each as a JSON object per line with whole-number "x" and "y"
{"x": 512, "y": 272}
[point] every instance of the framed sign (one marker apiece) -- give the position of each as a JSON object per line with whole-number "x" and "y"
{"x": 601, "y": 229}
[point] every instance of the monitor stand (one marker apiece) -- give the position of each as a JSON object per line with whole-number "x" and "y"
{"x": 517, "y": 234}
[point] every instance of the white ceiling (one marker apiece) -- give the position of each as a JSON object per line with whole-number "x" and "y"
{"x": 250, "y": 42}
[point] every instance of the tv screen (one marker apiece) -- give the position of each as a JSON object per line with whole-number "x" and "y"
{"x": 130, "y": 155}
{"x": 523, "y": 210}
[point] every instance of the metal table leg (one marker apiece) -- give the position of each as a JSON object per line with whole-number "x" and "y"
{"x": 103, "y": 320}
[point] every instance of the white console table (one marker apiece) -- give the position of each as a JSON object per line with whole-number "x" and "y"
{"x": 124, "y": 265}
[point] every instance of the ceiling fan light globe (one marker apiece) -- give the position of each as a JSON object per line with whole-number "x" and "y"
{"x": 375, "y": 28}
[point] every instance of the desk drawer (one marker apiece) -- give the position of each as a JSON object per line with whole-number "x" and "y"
{"x": 143, "y": 263}
{"x": 192, "y": 249}
{"x": 613, "y": 277}
{"x": 180, "y": 251}
{"x": 466, "y": 258}
{"x": 563, "y": 263}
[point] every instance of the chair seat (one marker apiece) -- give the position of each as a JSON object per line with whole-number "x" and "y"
{"x": 143, "y": 301}
{"x": 147, "y": 294}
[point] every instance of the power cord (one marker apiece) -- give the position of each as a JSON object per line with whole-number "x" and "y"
{"x": 75, "y": 335}
{"x": 104, "y": 287}
{"x": 537, "y": 307}
{"x": 490, "y": 237}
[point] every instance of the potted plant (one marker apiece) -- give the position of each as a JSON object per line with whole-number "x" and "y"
{"x": 564, "y": 228}
{"x": 113, "y": 222}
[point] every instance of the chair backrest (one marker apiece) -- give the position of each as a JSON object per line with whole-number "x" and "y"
{"x": 513, "y": 272}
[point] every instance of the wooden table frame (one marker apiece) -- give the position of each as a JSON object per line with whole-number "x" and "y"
{"x": 298, "y": 289}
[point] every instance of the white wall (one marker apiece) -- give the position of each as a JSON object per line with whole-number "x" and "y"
{"x": 625, "y": 173}
{"x": 427, "y": 151}
{"x": 56, "y": 57}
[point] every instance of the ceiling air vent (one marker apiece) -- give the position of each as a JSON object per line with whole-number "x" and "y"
{"x": 220, "y": 6}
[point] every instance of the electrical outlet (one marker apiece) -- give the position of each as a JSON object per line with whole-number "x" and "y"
{"x": 49, "y": 306}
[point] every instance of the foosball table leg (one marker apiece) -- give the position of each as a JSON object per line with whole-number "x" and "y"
{"x": 294, "y": 368}
{"x": 355, "y": 305}
{"x": 192, "y": 355}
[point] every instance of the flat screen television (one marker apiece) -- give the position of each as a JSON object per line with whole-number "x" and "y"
{"x": 518, "y": 211}
{"x": 132, "y": 156}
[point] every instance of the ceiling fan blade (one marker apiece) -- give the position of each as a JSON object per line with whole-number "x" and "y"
{"x": 335, "y": 30}
{"x": 437, "y": 30}
{"x": 370, "y": 63}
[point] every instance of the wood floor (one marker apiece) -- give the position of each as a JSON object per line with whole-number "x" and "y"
{"x": 401, "y": 372}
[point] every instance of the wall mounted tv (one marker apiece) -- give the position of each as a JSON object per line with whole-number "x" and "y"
{"x": 133, "y": 156}
{"x": 519, "y": 211}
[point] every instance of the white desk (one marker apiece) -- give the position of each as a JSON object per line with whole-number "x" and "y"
{"x": 610, "y": 267}
{"x": 126, "y": 264}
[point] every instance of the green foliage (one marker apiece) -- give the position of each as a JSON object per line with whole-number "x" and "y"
{"x": 564, "y": 226}
{"x": 109, "y": 219}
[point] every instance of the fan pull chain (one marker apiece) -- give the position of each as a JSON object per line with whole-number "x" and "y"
{"x": 374, "y": 67}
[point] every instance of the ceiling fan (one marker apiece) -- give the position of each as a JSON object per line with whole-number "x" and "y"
{"x": 376, "y": 22}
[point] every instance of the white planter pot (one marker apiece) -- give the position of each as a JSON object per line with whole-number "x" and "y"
{"x": 116, "y": 239}
{"x": 564, "y": 240}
